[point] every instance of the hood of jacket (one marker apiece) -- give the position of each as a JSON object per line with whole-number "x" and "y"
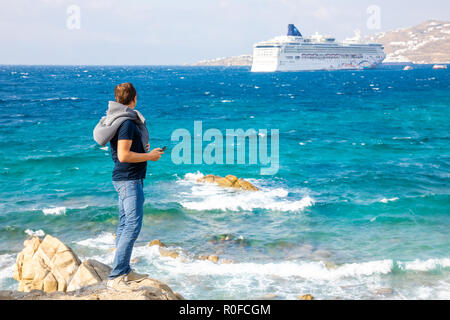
{"x": 116, "y": 114}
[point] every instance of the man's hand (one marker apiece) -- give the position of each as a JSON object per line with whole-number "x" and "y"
{"x": 155, "y": 154}
{"x": 147, "y": 147}
{"x": 125, "y": 155}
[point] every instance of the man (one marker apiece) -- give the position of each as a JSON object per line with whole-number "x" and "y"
{"x": 125, "y": 129}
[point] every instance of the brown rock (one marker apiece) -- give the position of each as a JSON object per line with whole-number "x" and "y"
{"x": 222, "y": 182}
{"x": 42, "y": 263}
{"x": 245, "y": 185}
{"x": 168, "y": 253}
{"x": 229, "y": 181}
{"x": 50, "y": 284}
{"x": 89, "y": 272}
{"x": 208, "y": 178}
{"x": 157, "y": 242}
{"x": 148, "y": 289}
{"x": 213, "y": 258}
{"x": 231, "y": 178}
{"x": 306, "y": 297}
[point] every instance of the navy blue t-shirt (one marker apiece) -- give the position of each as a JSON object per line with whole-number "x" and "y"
{"x": 123, "y": 171}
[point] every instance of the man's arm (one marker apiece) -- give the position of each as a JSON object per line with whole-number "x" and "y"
{"x": 125, "y": 155}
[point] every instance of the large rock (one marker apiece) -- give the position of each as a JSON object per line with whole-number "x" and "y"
{"x": 47, "y": 265}
{"x": 49, "y": 270}
{"x": 229, "y": 181}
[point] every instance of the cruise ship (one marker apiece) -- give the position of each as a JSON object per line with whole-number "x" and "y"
{"x": 294, "y": 52}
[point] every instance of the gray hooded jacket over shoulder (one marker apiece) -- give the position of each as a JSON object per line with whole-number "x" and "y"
{"x": 116, "y": 114}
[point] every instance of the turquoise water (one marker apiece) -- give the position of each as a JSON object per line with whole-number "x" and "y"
{"x": 360, "y": 202}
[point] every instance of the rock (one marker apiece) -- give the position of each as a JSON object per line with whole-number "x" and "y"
{"x": 208, "y": 178}
{"x": 168, "y": 253}
{"x": 229, "y": 181}
{"x": 227, "y": 261}
{"x": 213, "y": 258}
{"x": 50, "y": 284}
{"x": 306, "y": 297}
{"x": 49, "y": 270}
{"x": 222, "y": 182}
{"x": 269, "y": 296}
{"x": 231, "y": 178}
{"x": 245, "y": 185}
{"x": 148, "y": 289}
{"x": 88, "y": 273}
{"x": 41, "y": 263}
{"x": 384, "y": 291}
{"x": 157, "y": 242}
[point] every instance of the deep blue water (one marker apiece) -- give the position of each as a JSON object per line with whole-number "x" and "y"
{"x": 360, "y": 202}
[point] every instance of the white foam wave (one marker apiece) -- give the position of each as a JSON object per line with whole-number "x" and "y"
{"x": 307, "y": 270}
{"x": 385, "y": 200}
{"x": 38, "y": 233}
{"x": 425, "y": 265}
{"x": 213, "y": 197}
{"x": 103, "y": 241}
{"x": 54, "y": 211}
{"x": 7, "y": 262}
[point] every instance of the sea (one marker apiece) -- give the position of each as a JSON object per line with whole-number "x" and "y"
{"x": 359, "y": 207}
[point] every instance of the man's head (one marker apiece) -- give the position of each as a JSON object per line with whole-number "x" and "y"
{"x": 126, "y": 94}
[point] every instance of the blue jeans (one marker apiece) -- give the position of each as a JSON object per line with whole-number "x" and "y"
{"x": 131, "y": 211}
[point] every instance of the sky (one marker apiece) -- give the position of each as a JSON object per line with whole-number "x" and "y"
{"x": 173, "y": 32}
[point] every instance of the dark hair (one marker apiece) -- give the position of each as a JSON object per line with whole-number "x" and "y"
{"x": 125, "y": 93}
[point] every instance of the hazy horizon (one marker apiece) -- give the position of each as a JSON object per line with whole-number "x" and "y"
{"x": 48, "y": 32}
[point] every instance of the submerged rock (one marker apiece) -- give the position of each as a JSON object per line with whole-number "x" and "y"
{"x": 306, "y": 297}
{"x": 157, "y": 242}
{"x": 229, "y": 181}
{"x": 382, "y": 291}
{"x": 168, "y": 253}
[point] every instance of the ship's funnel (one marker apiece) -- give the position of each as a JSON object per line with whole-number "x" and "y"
{"x": 293, "y": 31}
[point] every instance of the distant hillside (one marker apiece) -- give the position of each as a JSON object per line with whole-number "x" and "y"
{"x": 242, "y": 60}
{"x": 428, "y": 42}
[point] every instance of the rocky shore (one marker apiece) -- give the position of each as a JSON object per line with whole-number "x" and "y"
{"x": 47, "y": 269}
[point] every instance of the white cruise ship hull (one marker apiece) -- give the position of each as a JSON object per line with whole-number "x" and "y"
{"x": 295, "y": 53}
{"x": 276, "y": 60}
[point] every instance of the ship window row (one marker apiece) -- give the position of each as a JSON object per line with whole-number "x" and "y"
{"x": 327, "y": 56}
{"x": 323, "y": 50}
